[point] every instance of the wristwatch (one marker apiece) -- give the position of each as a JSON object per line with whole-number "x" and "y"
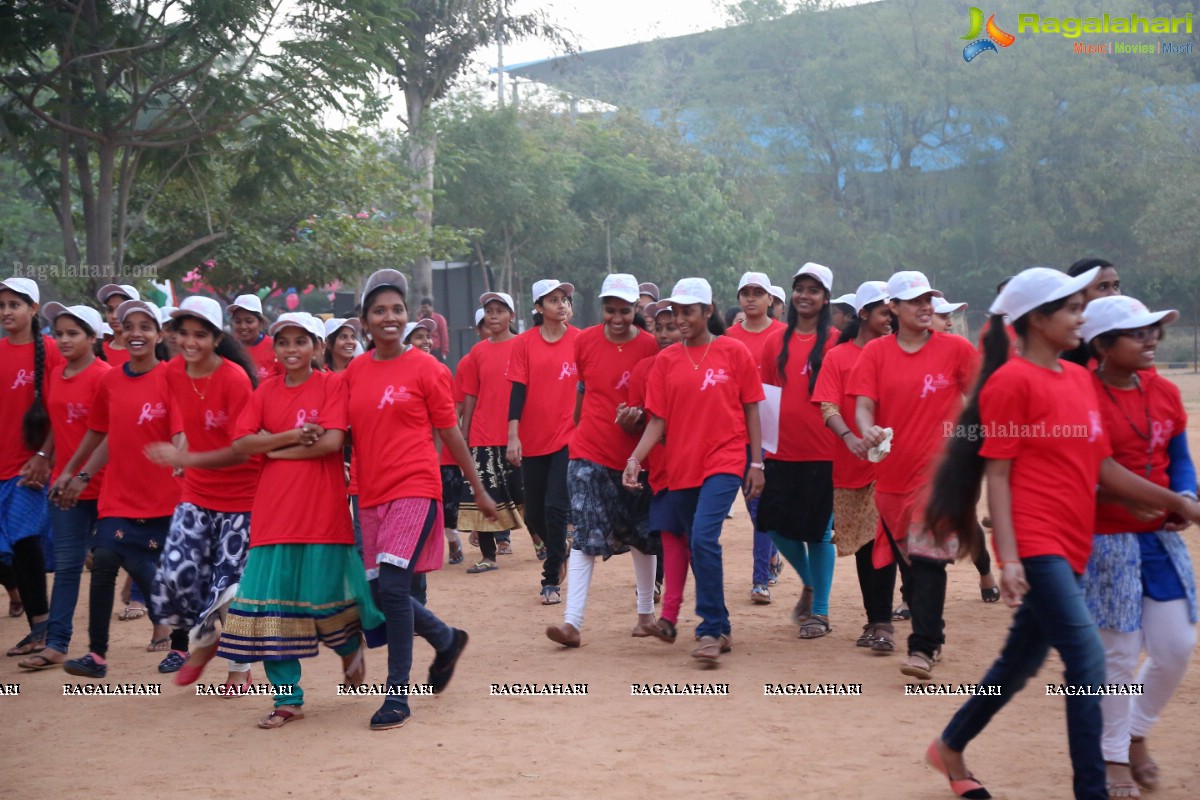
{"x": 757, "y": 465}
{"x": 83, "y": 476}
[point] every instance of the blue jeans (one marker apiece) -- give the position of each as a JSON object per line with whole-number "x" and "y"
{"x": 700, "y": 513}
{"x": 1053, "y": 614}
{"x": 764, "y": 547}
{"x": 72, "y": 532}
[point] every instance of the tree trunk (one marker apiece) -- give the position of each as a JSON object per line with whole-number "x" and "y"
{"x": 421, "y": 154}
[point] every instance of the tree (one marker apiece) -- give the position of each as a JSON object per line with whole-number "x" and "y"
{"x": 100, "y": 94}
{"x": 437, "y": 45}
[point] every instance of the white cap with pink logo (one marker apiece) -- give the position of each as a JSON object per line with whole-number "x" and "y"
{"x": 909, "y": 285}
{"x": 690, "y": 291}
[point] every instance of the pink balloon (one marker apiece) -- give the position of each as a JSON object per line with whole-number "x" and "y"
{"x": 292, "y": 301}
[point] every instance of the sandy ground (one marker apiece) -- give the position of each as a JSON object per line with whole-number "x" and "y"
{"x": 607, "y": 743}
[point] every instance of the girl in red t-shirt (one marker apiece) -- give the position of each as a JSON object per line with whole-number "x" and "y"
{"x": 912, "y": 383}
{"x": 205, "y": 551}
{"x": 250, "y": 329}
{"x": 607, "y": 519}
{"x": 703, "y": 396}
{"x": 632, "y": 417}
{"x": 486, "y": 393}
{"x": 303, "y": 579}
{"x": 1037, "y": 416}
{"x": 132, "y": 408}
{"x": 797, "y": 502}
{"x": 853, "y": 475}
{"x": 26, "y": 451}
{"x": 70, "y": 397}
{"x": 398, "y": 397}
{"x": 754, "y": 301}
{"x": 1140, "y": 585}
{"x": 113, "y": 349}
{"x": 544, "y": 383}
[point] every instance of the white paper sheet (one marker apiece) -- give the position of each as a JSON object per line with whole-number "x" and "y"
{"x": 768, "y": 414}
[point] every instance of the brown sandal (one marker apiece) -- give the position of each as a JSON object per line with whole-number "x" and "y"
{"x": 279, "y": 717}
{"x": 815, "y": 627}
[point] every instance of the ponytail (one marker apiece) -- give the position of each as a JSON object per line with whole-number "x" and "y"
{"x": 36, "y": 421}
{"x": 951, "y": 506}
{"x": 817, "y": 356}
{"x": 716, "y": 325}
{"x": 229, "y": 349}
{"x": 850, "y": 332}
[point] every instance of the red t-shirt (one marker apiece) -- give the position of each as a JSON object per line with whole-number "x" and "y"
{"x": 703, "y": 409}
{"x": 756, "y": 341}
{"x": 304, "y": 501}
{"x": 115, "y": 357}
{"x": 70, "y": 401}
{"x": 548, "y": 371}
{"x": 802, "y": 434}
{"x": 605, "y": 370}
{"x": 1049, "y": 425}
{"x": 394, "y": 407}
{"x": 916, "y": 395}
{"x": 1160, "y": 399}
{"x": 849, "y": 471}
{"x": 136, "y": 410}
{"x": 447, "y": 458}
{"x": 208, "y": 423}
{"x": 483, "y": 373}
{"x": 656, "y": 461}
{"x": 263, "y": 356}
{"x": 16, "y": 396}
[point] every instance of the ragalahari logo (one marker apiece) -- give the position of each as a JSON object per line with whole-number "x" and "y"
{"x": 995, "y": 36}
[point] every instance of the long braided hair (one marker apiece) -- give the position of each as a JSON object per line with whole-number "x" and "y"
{"x": 817, "y": 355}
{"x": 36, "y": 421}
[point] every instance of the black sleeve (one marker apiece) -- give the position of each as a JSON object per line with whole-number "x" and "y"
{"x": 516, "y": 401}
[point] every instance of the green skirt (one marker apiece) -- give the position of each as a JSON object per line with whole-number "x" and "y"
{"x": 293, "y": 596}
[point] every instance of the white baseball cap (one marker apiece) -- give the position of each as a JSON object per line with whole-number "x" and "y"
{"x": 1120, "y": 313}
{"x": 758, "y": 279}
{"x": 651, "y": 310}
{"x": 204, "y": 308}
{"x": 869, "y": 292}
{"x": 622, "y": 286}
{"x": 824, "y": 275}
{"x": 690, "y": 291}
{"x": 503, "y": 297}
{"x": 547, "y": 285}
{"x": 845, "y": 300}
{"x": 106, "y": 329}
{"x": 909, "y": 284}
{"x": 139, "y": 306}
{"x": 392, "y": 278}
{"x": 778, "y": 293}
{"x": 940, "y": 306}
{"x": 479, "y": 312}
{"x": 298, "y": 319}
{"x": 335, "y": 324}
{"x": 427, "y": 324}
{"x": 164, "y": 314}
{"x": 1037, "y": 286}
{"x": 109, "y": 289}
{"x": 649, "y": 289}
{"x": 89, "y": 316}
{"x": 23, "y": 286}
{"x": 246, "y": 302}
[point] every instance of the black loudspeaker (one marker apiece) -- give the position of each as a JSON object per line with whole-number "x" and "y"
{"x": 344, "y": 303}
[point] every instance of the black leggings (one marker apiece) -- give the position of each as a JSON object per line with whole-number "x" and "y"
{"x": 29, "y": 568}
{"x": 877, "y": 585}
{"x": 547, "y": 508}
{"x": 105, "y": 565}
{"x": 7, "y": 578}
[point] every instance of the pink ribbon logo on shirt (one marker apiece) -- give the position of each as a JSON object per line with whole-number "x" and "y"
{"x": 1095, "y": 424}
{"x": 1160, "y": 433}
{"x": 624, "y": 382}
{"x": 933, "y": 384}
{"x": 76, "y": 411}
{"x": 23, "y": 377}
{"x": 301, "y": 418}
{"x": 568, "y": 369}
{"x": 215, "y": 420}
{"x": 391, "y": 395}
{"x": 151, "y": 413}
{"x": 713, "y": 377}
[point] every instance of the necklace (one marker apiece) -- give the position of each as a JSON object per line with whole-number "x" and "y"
{"x": 805, "y": 338}
{"x": 1147, "y": 437}
{"x": 696, "y": 364}
{"x": 196, "y": 389}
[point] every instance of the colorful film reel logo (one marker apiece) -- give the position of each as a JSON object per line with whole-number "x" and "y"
{"x": 995, "y": 36}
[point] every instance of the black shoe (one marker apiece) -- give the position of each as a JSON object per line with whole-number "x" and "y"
{"x": 86, "y": 667}
{"x": 389, "y": 717}
{"x": 442, "y": 668}
{"x": 173, "y": 661}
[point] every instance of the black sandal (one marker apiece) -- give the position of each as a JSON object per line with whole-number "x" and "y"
{"x": 664, "y": 630}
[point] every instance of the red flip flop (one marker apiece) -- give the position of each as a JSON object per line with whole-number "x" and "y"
{"x": 966, "y": 787}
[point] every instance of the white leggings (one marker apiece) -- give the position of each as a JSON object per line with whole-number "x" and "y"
{"x": 579, "y": 580}
{"x": 1168, "y": 638}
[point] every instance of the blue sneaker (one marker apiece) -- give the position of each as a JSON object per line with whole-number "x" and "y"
{"x": 86, "y": 667}
{"x": 172, "y": 662}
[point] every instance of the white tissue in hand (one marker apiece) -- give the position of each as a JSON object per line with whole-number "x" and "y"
{"x": 880, "y": 451}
